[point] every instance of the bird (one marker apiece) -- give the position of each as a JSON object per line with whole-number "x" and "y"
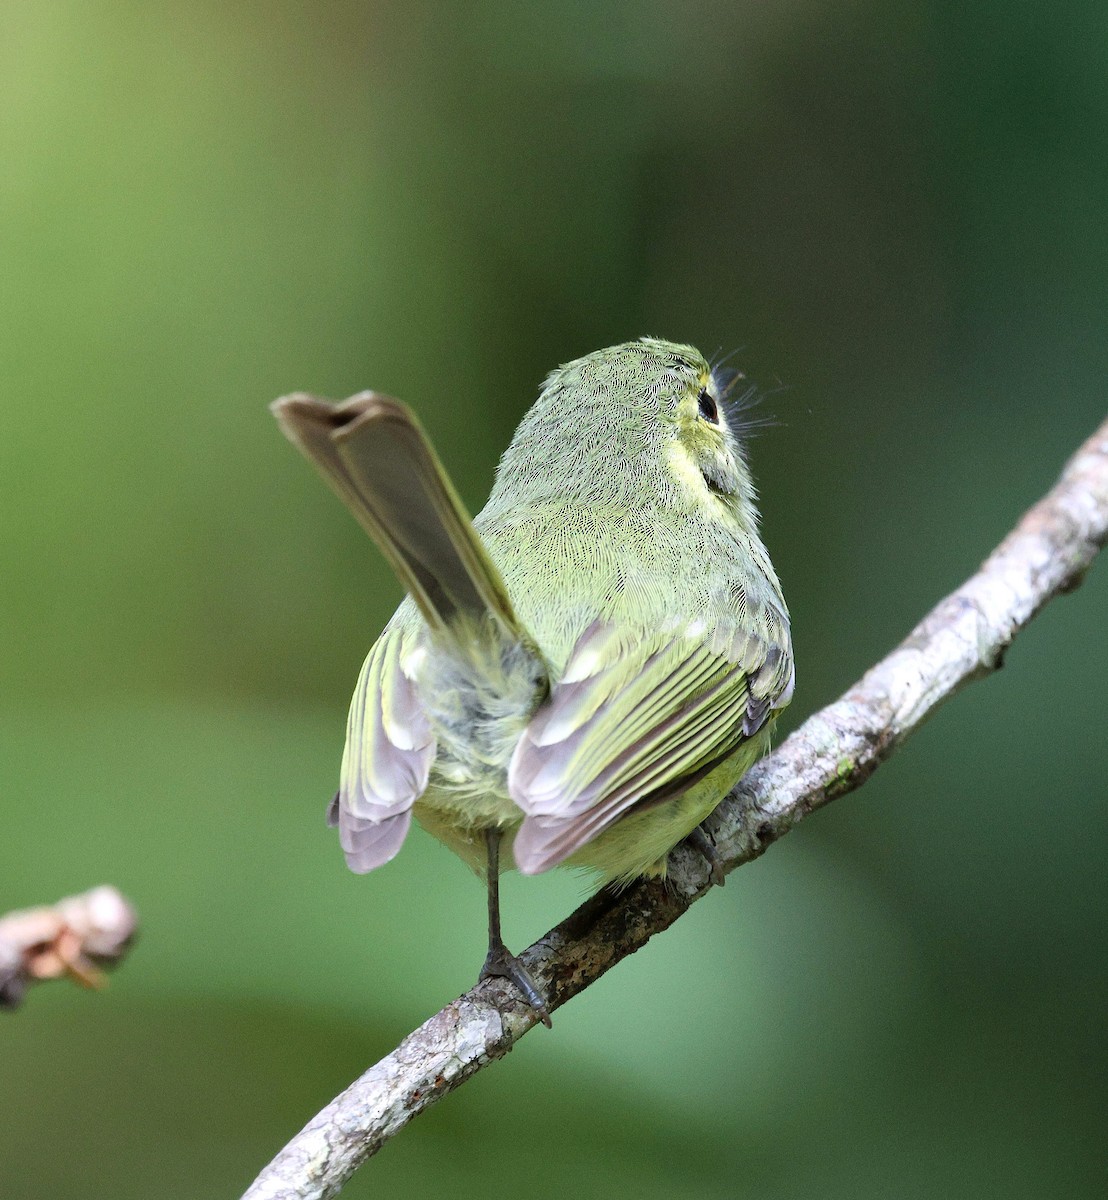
{"x": 579, "y": 674}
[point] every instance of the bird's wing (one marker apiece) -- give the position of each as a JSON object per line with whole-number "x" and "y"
{"x": 635, "y": 717}
{"x": 388, "y": 755}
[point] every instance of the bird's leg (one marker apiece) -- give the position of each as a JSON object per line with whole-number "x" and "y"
{"x": 702, "y": 843}
{"x": 500, "y": 960}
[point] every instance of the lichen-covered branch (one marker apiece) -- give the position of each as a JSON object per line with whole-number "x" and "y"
{"x": 834, "y": 751}
{"x": 75, "y": 938}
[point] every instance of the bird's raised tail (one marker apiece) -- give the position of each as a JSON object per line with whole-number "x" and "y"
{"x": 374, "y": 454}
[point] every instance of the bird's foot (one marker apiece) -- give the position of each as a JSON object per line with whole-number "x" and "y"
{"x": 503, "y": 964}
{"x": 700, "y": 840}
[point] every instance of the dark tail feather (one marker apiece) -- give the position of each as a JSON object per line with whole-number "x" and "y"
{"x": 376, "y": 457}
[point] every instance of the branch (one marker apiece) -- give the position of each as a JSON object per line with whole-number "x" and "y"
{"x": 75, "y": 938}
{"x": 834, "y": 751}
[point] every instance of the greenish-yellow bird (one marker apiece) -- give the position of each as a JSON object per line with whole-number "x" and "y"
{"x": 588, "y": 667}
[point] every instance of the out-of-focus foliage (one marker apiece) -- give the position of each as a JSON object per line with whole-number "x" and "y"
{"x": 900, "y": 212}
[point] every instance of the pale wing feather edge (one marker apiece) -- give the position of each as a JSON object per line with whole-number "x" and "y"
{"x": 704, "y": 731}
{"x": 386, "y": 762}
{"x": 573, "y": 787}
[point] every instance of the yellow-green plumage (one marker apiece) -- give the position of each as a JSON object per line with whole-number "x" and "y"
{"x": 593, "y": 668}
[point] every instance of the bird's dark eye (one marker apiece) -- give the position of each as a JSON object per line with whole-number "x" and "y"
{"x": 708, "y": 408}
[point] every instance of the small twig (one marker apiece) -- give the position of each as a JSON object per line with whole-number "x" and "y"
{"x": 833, "y": 752}
{"x": 75, "y": 938}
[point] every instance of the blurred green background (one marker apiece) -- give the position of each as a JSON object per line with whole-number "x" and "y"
{"x": 900, "y": 212}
